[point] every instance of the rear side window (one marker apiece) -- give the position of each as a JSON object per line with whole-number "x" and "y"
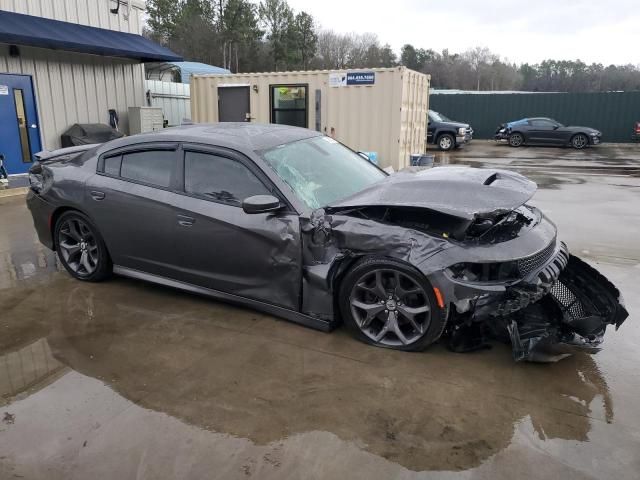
{"x": 152, "y": 166}
{"x": 220, "y": 179}
{"x": 112, "y": 165}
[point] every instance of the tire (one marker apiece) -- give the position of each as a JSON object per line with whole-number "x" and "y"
{"x": 579, "y": 141}
{"x": 81, "y": 249}
{"x": 446, "y": 142}
{"x": 408, "y": 319}
{"x": 516, "y": 140}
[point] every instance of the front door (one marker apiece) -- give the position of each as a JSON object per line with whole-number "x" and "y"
{"x": 19, "y": 131}
{"x": 221, "y": 247}
{"x": 233, "y": 104}
{"x": 545, "y": 132}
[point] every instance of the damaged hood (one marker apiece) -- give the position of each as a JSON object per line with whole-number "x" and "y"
{"x": 463, "y": 192}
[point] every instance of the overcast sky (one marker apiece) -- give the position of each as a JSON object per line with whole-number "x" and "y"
{"x": 522, "y": 31}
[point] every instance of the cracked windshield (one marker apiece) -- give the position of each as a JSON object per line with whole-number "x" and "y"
{"x": 320, "y": 170}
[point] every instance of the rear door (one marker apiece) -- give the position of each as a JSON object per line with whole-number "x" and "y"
{"x": 132, "y": 200}
{"x": 221, "y": 247}
{"x": 233, "y": 104}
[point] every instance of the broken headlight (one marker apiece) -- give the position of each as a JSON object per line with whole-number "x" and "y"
{"x": 485, "y": 272}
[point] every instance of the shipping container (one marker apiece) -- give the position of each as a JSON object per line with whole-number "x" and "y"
{"x": 382, "y": 110}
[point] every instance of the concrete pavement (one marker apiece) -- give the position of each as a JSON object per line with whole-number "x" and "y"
{"x": 129, "y": 380}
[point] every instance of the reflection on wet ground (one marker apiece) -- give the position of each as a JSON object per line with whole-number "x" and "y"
{"x": 550, "y": 167}
{"x": 129, "y": 380}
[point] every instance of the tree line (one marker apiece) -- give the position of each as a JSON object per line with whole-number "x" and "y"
{"x": 251, "y": 36}
{"x": 244, "y": 36}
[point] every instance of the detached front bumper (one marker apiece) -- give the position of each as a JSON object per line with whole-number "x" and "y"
{"x": 562, "y": 305}
{"x": 574, "y": 316}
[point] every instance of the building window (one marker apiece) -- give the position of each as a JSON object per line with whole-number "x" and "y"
{"x": 289, "y": 105}
{"x": 21, "y": 113}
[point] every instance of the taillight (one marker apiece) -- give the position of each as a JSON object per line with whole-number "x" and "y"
{"x": 638, "y": 128}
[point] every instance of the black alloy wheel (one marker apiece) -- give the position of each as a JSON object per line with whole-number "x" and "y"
{"x": 387, "y": 303}
{"x": 579, "y": 141}
{"x": 80, "y": 248}
{"x": 516, "y": 139}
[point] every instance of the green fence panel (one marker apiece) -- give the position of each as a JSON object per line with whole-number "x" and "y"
{"x": 613, "y": 113}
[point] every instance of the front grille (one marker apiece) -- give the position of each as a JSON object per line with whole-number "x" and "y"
{"x": 534, "y": 262}
{"x": 570, "y": 303}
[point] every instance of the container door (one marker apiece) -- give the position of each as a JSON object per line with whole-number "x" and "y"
{"x": 233, "y": 104}
{"x": 20, "y": 132}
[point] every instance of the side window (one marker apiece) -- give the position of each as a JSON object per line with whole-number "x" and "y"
{"x": 542, "y": 123}
{"x": 152, "y": 166}
{"x": 220, "y": 179}
{"x": 112, "y": 165}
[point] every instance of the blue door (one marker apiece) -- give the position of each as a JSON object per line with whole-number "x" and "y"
{"x": 19, "y": 129}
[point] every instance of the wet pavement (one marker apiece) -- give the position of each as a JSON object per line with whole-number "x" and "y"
{"x": 129, "y": 380}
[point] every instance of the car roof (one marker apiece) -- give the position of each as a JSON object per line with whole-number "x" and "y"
{"x": 242, "y": 136}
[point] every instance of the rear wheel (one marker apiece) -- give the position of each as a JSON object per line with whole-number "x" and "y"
{"x": 81, "y": 249}
{"x": 516, "y": 139}
{"x": 388, "y": 304}
{"x": 579, "y": 141}
{"x": 446, "y": 142}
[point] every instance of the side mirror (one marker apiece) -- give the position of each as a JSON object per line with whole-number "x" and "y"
{"x": 261, "y": 204}
{"x": 555, "y": 127}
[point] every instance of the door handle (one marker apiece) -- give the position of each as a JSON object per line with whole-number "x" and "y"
{"x": 96, "y": 195}
{"x": 186, "y": 221}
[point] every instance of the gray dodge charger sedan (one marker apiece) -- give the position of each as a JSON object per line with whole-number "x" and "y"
{"x": 291, "y": 222}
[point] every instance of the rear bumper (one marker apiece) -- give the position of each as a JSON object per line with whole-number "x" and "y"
{"x": 42, "y": 213}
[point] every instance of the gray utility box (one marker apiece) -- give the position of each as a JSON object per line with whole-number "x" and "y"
{"x": 145, "y": 119}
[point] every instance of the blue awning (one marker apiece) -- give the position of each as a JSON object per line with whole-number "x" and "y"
{"x": 20, "y": 29}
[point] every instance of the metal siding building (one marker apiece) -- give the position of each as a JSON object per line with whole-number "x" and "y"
{"x": 613, "y": 113}
{"x": 387, "y": 117}
{"x": 72, "y": 87}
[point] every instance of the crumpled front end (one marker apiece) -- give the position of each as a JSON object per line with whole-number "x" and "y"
{"x": 565, "y": 307}
{"x": 573, "y": 316}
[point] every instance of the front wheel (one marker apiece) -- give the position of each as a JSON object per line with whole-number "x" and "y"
{"x": 81, "y": 249}
{"x": 387, "y": 303}
{"x": 579, "y": 141}
{"x": 446, "y": 142}
{"x": 516, "y": 139}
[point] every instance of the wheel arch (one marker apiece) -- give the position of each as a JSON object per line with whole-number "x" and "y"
{"x": 575, "y": 134}
{"x": 444, "y": 131}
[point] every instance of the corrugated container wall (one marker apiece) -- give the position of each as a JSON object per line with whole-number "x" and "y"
{"x": 388, "y": 117}
{"x": 613, "y": 113}
{"x": 73, "y": 87}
